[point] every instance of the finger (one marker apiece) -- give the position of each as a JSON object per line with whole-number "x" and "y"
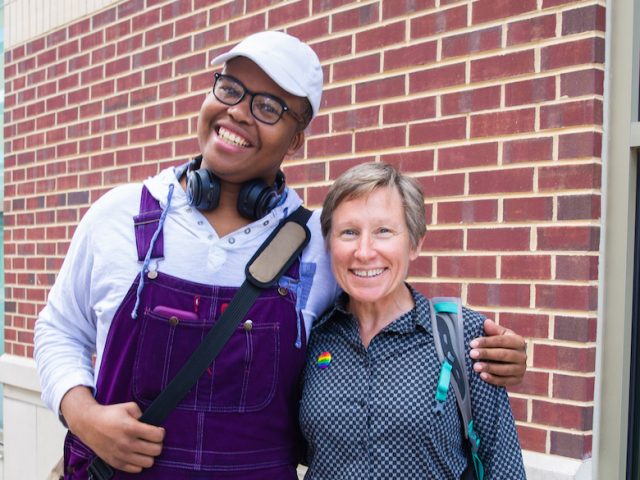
{"x": 148, "y": 449}
{"x": 491, "y": 328}
{"x": 499, "y": 369}
{"x": 508, "y": 341}
{"x": 150, "y": 433}
{"x": 499, "y": 381}
{"x": 503, "y": 355}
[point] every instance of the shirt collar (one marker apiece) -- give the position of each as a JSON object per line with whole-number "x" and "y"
{"x": 417, "y": 317}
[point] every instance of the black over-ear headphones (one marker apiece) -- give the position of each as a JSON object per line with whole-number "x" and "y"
{"x": 255, "y": 200}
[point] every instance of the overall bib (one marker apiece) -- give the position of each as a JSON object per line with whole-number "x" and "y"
{"x": 239, "y": 421}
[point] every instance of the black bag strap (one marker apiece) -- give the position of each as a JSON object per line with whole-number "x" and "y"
{"x": 448, "y": 334}
{"x": 272, "y": 259}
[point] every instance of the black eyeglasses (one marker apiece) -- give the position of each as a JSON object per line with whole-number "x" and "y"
{"x": 264, "y": 107}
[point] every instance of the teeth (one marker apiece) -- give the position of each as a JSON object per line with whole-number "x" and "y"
{"x": 368, "y": 273}
{"x": 231, "y": 138}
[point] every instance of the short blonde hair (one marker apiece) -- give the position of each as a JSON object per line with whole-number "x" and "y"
{"x": 363, "y": 179}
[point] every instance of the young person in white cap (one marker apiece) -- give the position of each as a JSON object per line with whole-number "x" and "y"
{"x": 143, "y": 297}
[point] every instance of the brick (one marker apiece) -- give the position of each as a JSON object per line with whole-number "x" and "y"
{"x": 356, "y": 17}
{"x": 129, "y": 45}
{"x": 380, "y": 139}
{"x": 156, "y": 152}
{"x": 527, "y": 209}
{"x": 442, "y": 185}
{"x": 498, "y": 295}
{"x": 223, "y": 13}
{"x": 176, "y": 48}
{"x": 568, "y": 177}
{"x": 443, "y": 241}
{"x": 95, "y": 39}
{"x": 571, "y": 445}
{"x": 319, "y": 6}
{"x": 410, "y": 56}
{"x": 174, "y": 128}
{"x": 129, "y": 82}
{"x": 146, "y": 19}
{"x": 355, "y": 119}
{"x": 580, "y": 145}
{"x": 571, "y": 387}
{"x": 441, "y": 21}
{"x": 437, "y": 131}
{"x": 530, "y": 91}
{"x": 560, "y": 415}
{"x": 465, "y": 156}
{"x": 472, "y": 42}
{"x": 531, "y": 30}
{"x": 436, "y": 78}
{"x": 569, "y": 238}
{"x": 468, "y": 211}
{"x": 117, "y": 66}
{"x": 380, "y": 89}
{"x": 502, "y": 66}
{"x": 119, "y": 30}
{"x": 158, "y": 34}
{"x": 583, "y": 112}
{"x": 310, "y": 29}
{"x": 145, "y": 58}
{"x": 532, "y": 267}
{"x": 175, "y": 9}
{"x": 583, "y": 82}
{"x": 334, "y": 145}
{"x": 129, "y": 8}
{"x": 578, "y": 268}
{"x": 68, "y": 49}
{"x": 499, "y": 239}
{"x": 191, "y": 64}
{"x": 55, "y": 38}
{"x": 519, "y": 408}
{"x": 487, "y": 10}
{"x": 501, "y": 181}
{"x": 407, "y": 162}
{"x": 313, "y": 172}
{"x": 575, "y": 329}
{"x": 526, "y": 324}
{"x": 380, "y": 37}
{"x": 246, "y": 26}
{"x": 144, "y": 95}
{"x": 502, "y": 123}
{"x": 421, "y": 267}
{"x": 475, "y": 100}
{"x": 410, "y": 110}
{"x": 103, "y": 18}
{"x": 533, "y": 383}
{"x": 103, "y": 54}
{"x": 571, "y": 54}
{"x": 585, "y": 19}
{"x": 466, "y": 266}
{"x": 579, "y": 207}
{"x": 397, "y": 8}
{"x": 103, "y": 124}
{"x": 528, "y": 150}
{"x": 566, "y": 297}
{"x": 157, "y": 74}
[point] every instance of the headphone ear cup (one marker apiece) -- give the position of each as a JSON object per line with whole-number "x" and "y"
{"x": 256, "y": 199}
{"x": 203, "y": 189}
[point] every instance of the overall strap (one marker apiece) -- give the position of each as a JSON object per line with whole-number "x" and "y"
{"x": 146, "y": 223}
{"x": 272, "y": 259}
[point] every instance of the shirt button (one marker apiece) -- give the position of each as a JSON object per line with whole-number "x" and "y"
{"x": 232, "y": 240}
{"x": 247, "y": 231}
{"x": 248, "y": 325}
{"x": 200, "y": 222}
{"x": 188, "y": 209}
{"x": 152, "y": 275}
{"x": 266, "y": 222}
{"x": 210, "y": 236}
{"x": 173, "y": 321}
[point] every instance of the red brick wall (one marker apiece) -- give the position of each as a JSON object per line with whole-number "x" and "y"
{"x": 495, "y": 105}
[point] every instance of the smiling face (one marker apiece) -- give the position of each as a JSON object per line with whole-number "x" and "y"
{"x": 371, "y": 248}
{"x": 235, "y": 145}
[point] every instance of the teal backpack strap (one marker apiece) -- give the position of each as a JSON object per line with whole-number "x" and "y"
{"x": 448, "y": 334}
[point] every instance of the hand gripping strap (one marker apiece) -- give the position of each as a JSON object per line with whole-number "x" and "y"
{"x": 222, "y": 330}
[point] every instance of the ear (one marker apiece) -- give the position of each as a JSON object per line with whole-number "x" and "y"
{"x": 296, "y": 142}
{"x": 416, "y": 251}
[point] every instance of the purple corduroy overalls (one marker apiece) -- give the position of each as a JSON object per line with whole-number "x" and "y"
{"x": 240, "y": 420}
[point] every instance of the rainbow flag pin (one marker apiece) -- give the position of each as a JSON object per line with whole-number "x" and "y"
{"x": 324, "y": 359}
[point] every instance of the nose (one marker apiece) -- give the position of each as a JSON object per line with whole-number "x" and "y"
{"x": 365, "y": 249}
{"x": 241, "y": 111}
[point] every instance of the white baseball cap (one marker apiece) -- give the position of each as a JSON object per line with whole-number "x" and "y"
{"x": 292, "y": 64}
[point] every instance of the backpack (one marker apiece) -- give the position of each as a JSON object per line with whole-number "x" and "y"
{"x": 448, "y": 333}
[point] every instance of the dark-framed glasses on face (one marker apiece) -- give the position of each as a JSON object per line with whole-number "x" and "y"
{"x": 264, "y": 107}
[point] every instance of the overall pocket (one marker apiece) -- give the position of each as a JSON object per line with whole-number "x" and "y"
{"x": 242, "y": 378}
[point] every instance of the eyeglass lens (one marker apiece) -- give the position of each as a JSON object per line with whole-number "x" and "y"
{"x": 266, "y": 108}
